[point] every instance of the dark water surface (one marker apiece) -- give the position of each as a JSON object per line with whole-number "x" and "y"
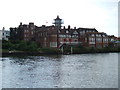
{"x": 65, "y": 71}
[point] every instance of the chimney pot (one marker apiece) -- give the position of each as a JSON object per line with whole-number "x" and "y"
{"x": 64, "y": 27}
{"x": 74, "y": 27}
{"x": 68, "y": 26}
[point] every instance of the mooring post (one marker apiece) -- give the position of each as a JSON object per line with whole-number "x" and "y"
{"x": 62, "y": 50}
{"x": 71, "y": 49}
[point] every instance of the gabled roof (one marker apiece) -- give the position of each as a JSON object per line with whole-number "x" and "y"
{"x": 85, "y": 29}
{"x": 70, "y": 31}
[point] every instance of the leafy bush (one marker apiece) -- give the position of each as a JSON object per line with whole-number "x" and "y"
{"x": 19, "y": 45}
{"x": 6, "y": 45}
{"x": 32, "y": 47}
{"x": 50, "y": 50}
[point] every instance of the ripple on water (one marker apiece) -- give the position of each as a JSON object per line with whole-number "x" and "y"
{"x": 66, "y": 71}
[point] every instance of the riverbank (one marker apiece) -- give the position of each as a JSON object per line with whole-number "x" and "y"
{"x": 56, "y": 52}
{"x": 32, "y": 48}
{"x": 16, "y": 52}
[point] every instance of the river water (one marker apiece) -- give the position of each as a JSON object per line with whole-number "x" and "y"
{"x": 63, "y": 71}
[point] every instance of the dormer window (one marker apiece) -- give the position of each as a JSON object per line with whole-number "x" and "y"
{"x": 59, "y": 31}
{"x": 103, "y": 35}
{"x": 75, "y": 32}
{"x": 92, "y": 35}
{"x": 99, "y": 35}
{"x": 67, "y": 31}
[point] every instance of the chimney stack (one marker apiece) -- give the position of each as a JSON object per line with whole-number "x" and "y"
{"x": 68, "y": 26}
{"x": 74, "y": 27}
{"x": 64, "y": 27}
{"x": 3, "y": 28}
{"x": 21, "y": 23}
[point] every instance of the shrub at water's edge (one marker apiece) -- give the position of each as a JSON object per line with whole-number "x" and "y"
{"x": 25, "y": 46}
{"x": 96, "y": 50}
{"x": 49, "y": 50}
{"x": 19, "y": 45}
{"x": 32, "y": 47}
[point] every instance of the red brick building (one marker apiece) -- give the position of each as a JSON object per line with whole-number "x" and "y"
{"x": 96, "y": 39}
{"x": 56, "y": 35}
{"x": 23, "y": 32}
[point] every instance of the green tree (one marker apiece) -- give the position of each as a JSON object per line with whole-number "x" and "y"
{"x": 6, "y": 45}
{"x": 32, "y": 46}
{"x": 22, "y": 46}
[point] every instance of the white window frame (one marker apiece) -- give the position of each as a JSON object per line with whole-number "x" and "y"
{"x": 53, "y": 44}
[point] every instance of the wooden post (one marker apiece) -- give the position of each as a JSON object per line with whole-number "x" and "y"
{"x": 62, "y": 50}
{"x": 71, "y": 49}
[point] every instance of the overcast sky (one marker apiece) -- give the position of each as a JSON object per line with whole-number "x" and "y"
{"x": 99, "y": 14}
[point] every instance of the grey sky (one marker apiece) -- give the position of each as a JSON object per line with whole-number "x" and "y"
{"x": 99, "y": 14}
{"x": 119, "y": 19}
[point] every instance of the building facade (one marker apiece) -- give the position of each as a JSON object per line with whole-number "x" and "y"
{"x": 96, "y": 39}
{"x": 23, "y": 32}
{"x": 56, "y": 36}
{"x": 4, "y": 34}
